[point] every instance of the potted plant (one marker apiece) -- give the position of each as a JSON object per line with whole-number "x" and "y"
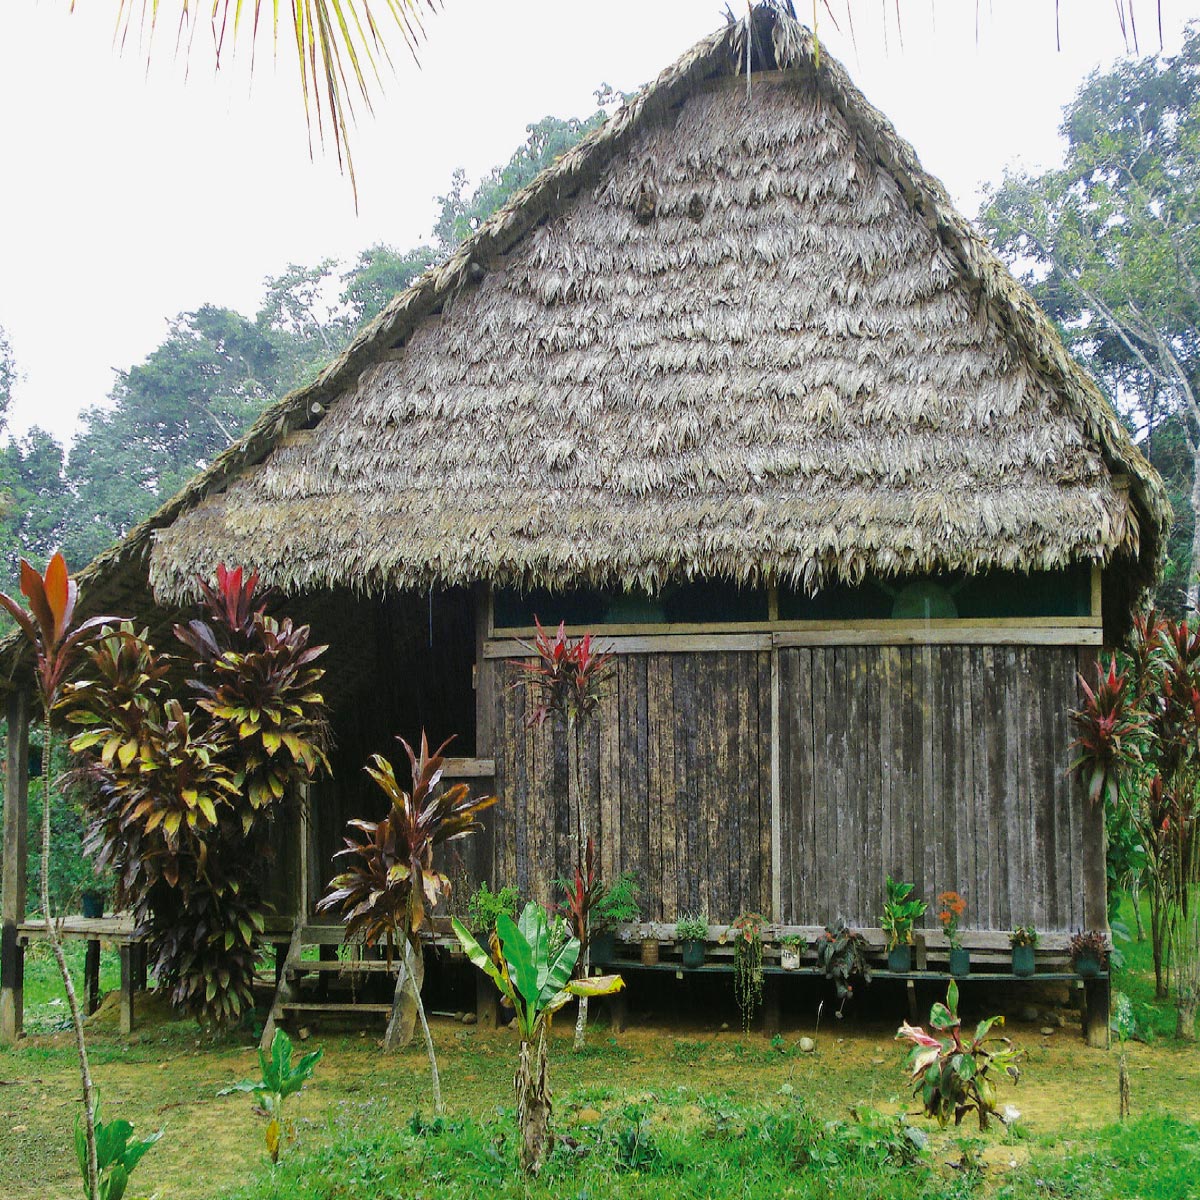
{"x": 842, "y": 955}
{"x": 900, "y": 911}
{"x": 617, "y": 904}
{"x": 1088, "y": 952}
{"x": 789, "y": 951}
{"x": 692, "y": 933}
{"x": 747, "y": 933}
{"x": 1023, "y": 940}
{"x": 951, "y": 908}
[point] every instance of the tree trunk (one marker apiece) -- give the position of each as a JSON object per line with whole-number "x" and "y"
{"x": 534, "y": 1108}
{"x": 1135, "y": 896}
{"x": 85, "y": 1071}
{"x": 581, "y": 1003}
{"x": 435, "y": 1078}
{"x": 1158, "y": 939}
{"x": 1123, "y": 1084}
{"x": 1193, "y": 589}
{"x": 1185, "y": 1016}
{"x": 402, "y": 1024}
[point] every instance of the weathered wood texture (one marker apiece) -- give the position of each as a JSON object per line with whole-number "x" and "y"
{"x": 945, "y": 765}
{"x": 677, "y": 776}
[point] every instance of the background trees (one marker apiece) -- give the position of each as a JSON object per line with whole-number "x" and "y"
{"x": 1110, "y": 245}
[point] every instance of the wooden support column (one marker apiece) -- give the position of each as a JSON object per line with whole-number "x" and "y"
{"x": 1096, "y": 1012}
{"x": 12, "y": 873}
{"x": 128, "y": 976}
{"x": 487, "y": 1002}
{"x": 771, "y": 1006}
{"x": 91, "y": 977}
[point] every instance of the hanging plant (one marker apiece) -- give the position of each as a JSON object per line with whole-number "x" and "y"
{"x": 747, "y": 964}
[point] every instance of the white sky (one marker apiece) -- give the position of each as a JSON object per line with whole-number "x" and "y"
{"x": 129, "y": 195}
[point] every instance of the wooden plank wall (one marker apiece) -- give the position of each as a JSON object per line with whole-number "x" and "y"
{"x": 677, "y": 773}
{"x": 945, "y": 765}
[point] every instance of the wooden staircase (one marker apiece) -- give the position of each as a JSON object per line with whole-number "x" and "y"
{"x": 293, "y": 998}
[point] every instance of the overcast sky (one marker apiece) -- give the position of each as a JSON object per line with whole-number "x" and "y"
{"x": 129, "y": 194}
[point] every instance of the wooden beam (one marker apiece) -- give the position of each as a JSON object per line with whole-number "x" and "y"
{"x": 12, "y": 871}
{"x": 1067, "y": 631}
{"x": 1097, "y": 591}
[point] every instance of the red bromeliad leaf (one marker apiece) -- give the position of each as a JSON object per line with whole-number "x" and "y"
{"x": 567, "y": 677}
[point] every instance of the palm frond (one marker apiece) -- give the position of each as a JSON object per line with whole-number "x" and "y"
{"x": 340, "y": 47}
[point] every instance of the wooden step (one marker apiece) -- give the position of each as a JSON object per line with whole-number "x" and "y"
{"x": 350, "y": 968}
{"x": 327, "y": 1006}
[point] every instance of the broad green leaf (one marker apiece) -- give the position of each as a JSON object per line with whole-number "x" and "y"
{"x": 518, "y": 952}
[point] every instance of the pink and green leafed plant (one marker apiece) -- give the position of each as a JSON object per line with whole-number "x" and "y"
{"x": 954, "y": 1075}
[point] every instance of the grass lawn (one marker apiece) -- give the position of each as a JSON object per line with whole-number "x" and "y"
{"x": 656, "y": 1111}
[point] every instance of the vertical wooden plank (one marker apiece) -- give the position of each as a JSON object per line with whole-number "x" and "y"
{"x": 1069, "y": 790}
{"x": 12, "y": 868}
{"x": 1018, "y": 865}
{"x": 665, "y": 869}
{"x": 634, "y": 766}
{"x": 777, "y": 820}
{"x": 759, "y": 894}
{"x": 888, "y": 715}
{"x": 609, "y": 722}
{"x": 1095, "y": 882}
{"x": 906, "y": 812}
{"x": 868, "y": 751}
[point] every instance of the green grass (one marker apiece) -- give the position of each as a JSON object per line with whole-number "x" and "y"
{"x": 757, "y": 1152}
{"x": 1151, "y": 1158}
{"x": 45, "y": 997}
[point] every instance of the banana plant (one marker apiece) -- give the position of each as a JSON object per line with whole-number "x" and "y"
{"x": 534, "y": 975}
{"x": 280, "y": 1079}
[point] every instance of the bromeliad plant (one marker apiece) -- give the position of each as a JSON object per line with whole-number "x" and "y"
{"x": 280, "y": 1079}
{"x": 390, "y": 885}
{"x": 954, "y": 1076}
{"x": 566, "y": 680}
{"x": 534, "y": 974}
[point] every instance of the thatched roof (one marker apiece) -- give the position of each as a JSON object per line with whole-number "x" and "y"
{"x": 736, "y": 332}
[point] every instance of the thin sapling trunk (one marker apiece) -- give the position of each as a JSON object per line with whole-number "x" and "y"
{"x": 575, "y": 784}
{"x": 85, "y": 1072}
{"x": 534, "y": 1106}
{"x": 435, "y": 1078}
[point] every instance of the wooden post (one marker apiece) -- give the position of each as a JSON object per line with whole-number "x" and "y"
{"x": 770, "y": 1011}
{"x": 12, "y": 873}
{"x": 91, "y": 977}
{"x": 127, "y": 984}
{"x": 1096, "y": 1013}
{"x": 487, "y": 1002}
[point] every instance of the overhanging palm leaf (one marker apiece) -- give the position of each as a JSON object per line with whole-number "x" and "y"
{"x": 337, "y": 41}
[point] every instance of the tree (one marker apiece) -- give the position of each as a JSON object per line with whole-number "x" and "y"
{"x": 380, "y": 273}
{"x": 1110, "y": 245}
{"x": 461, "y": 214}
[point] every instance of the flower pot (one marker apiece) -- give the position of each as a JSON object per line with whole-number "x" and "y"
{"x": 960, "y": 961}
{"x": 649, "y": 952}
{"x": 1022, "y": 960}
{"x": 693, "y": 952}
{"x": 900, "y": 958}
{"x": 1088, "y": 966}
{"x": 92, "y": 904}
{"x": 602, "y": 948}
{"x": 789, "y": 958}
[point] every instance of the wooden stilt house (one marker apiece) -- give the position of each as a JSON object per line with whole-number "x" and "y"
{"x": 734, "y": 386}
